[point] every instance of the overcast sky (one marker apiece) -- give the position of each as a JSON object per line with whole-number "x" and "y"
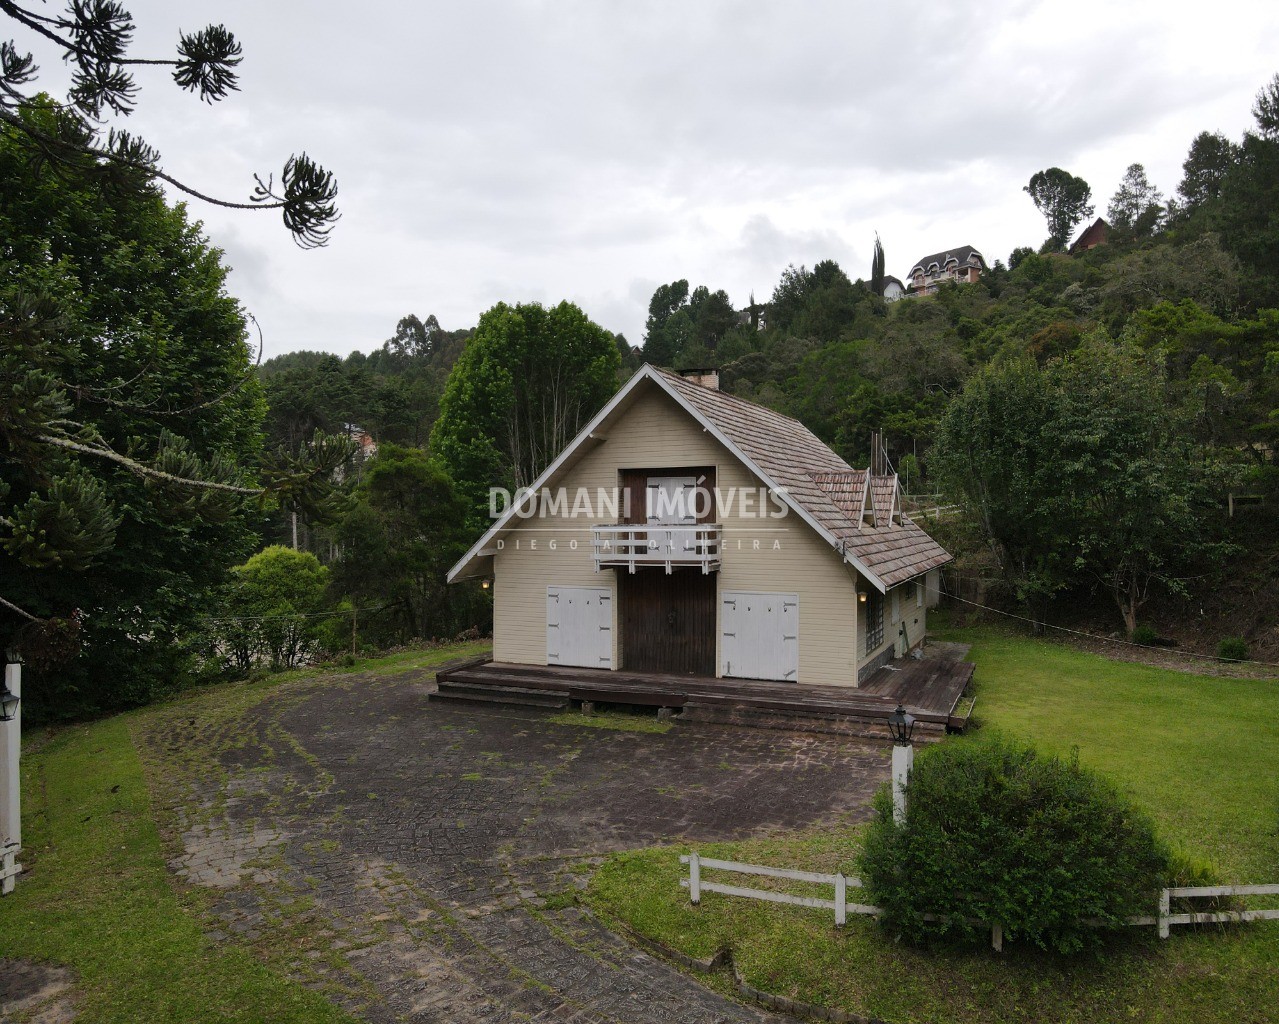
{"x": 592, "y": 150}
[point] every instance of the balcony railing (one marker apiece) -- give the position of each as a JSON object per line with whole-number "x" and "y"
{"x": 670, "y": 547}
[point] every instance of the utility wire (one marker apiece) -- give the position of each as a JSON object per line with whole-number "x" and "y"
{"x": 290, "y": 615}
{"x": 1104, "y": 639}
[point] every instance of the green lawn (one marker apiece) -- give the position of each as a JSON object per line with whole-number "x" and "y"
{"x": 98, "y": 898}
{"x": 1201, "y": 753}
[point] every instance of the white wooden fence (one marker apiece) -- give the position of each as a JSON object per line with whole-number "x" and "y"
{"x": 695, "y": 886}
{"x": 1164, "y": 919}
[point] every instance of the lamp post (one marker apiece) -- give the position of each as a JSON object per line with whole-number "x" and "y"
{"x": 901, "y": 725}
{"x": 10, "y": 791}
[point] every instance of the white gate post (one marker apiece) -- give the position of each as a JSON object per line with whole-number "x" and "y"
{"x": 10, "y": 782}
{"x": 694, "y": 879}
{"x": 1165, "y": 908}
{"x": 903, "y": 761}
{"x": 841, "y": 900}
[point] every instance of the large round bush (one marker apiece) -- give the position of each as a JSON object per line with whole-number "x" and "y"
{"x": 994, "y": 832}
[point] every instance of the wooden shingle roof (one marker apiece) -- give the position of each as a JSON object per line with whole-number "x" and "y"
{"x": 892, "y": 547}
{"x": 858, "y": 515}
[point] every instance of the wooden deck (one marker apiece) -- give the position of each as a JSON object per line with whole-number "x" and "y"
{"x": 931, "y": 689}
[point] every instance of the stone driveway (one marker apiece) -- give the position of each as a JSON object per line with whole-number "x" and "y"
{"x": 412, "y": 859}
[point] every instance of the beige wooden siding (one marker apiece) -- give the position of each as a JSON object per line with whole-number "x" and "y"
{"x": 914, "y": 615}
{"x": 782, "y": 555}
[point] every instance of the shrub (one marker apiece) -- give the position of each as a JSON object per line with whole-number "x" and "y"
{"x": 1233, "y": 648}
{"x": 1145, "y": 635}
{"x": 271, "y": 605}
{"x": 996, "y": 833}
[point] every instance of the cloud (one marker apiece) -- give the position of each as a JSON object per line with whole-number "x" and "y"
{"x": 540, "y": 150}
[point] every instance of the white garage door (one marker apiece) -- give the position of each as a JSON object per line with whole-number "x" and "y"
{"x": 579, "y": 626}
{"x": 759, "y": 635}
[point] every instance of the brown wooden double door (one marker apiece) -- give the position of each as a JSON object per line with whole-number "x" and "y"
{"x": 668, "y": 621}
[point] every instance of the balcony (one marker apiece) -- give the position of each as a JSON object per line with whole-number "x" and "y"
{"x": 631, "y": 547}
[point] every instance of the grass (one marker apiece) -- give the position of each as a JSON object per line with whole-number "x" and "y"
{"x": 1200, "y": 753}
{"x": 391, "y": 664}
{"x": 97, "y": 896}
{"x": 621, "y": 721}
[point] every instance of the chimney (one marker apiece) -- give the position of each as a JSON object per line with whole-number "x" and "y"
{"x": 707, "y": 377}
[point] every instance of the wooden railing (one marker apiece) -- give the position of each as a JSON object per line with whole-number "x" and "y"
{"x": 1163, "y": 920}
{"x": 636, "y": 546}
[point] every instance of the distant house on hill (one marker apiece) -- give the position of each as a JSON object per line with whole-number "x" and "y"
{"x": 1095, "y": 234}
{"x": 963, "y": 265}
{"x": 366, "y": 446}
{"x": 893, "y": 289}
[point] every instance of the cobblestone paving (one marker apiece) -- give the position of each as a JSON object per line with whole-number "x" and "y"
{"x": 35, "y": 993}
{"x": 409, "y": 858}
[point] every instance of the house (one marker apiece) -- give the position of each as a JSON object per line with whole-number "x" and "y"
{"x": 893, "y": 289}
{"x": 1095, "y": 234}
{"x": 686, "y": 531}
{"x": 963, "y": 266}
{"x": 365, "y": 444}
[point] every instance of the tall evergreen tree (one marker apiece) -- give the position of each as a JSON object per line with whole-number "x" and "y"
{"x": 877, "y": 269}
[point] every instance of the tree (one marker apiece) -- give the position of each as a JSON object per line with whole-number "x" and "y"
{"x": 877, "y": 269}
{"x": 1265, "y": 110}
{"x": 1136, "y": 206}
{"x": 403, "y": 532}
{"x": 788, "y": 297}
{"x": 129, "y": 437}
{"x": 1082, "y": 468}
{"x": 1249, "y": 197}
{"x": 526, "y": 383}
{"x": 712, "y": 315}
{"x": 94, "y": 37}
{"x": 1018, "y": 254}
{"x": 130, "y": 449}
{"x": 830, "y": 304}
{"x": 1141, "y": 495}
{"x": 1063, "y": 199}
{"x": 273, "y": 603}
{"x": 668, "y": 328}
{"x": 996, "y": 453}
{"x": 1211, "y": 156}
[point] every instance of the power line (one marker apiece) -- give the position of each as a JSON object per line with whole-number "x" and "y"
{"x": 291, "y": 615}
{"x": 1104, "y": 639}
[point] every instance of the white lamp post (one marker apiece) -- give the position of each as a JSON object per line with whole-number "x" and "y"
{"x": 10, "y": 788}
{"x": 901, "y": 725}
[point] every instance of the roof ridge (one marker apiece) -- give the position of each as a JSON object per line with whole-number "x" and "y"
{"x": 676, "y": 375}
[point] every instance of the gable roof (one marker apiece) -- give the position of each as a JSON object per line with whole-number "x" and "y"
{"x": 961, "y": 254}
{"x": 1095, "y": 233}
{"x": 787, "y": 457}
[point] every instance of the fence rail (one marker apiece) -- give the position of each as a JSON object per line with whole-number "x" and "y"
{"x": 1164, "y": 920}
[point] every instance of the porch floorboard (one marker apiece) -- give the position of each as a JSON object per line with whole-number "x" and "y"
{"x": 930, "y": 688}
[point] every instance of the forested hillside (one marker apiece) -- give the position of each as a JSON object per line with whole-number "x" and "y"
{"x": 1101, "y": 424}
{"x": 1141, "y": 493}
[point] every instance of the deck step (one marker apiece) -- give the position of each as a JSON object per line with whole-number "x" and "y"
{"x": 851, "y": 725}
{"x": 929, "y": 690}
{"x": 486, "y": 693}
